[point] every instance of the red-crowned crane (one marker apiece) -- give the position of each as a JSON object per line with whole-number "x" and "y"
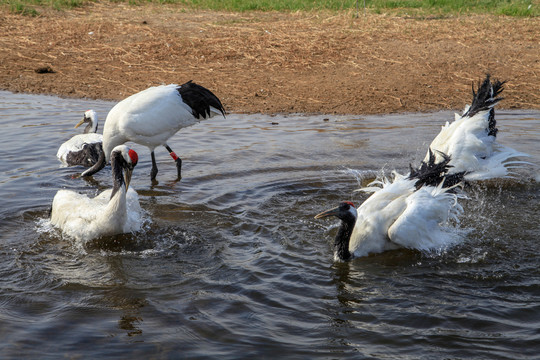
{"x": 83, "y": 149}
{"x": 114, "y": 211}
{"x": 408, "y": 211}
{"x": 152, "y": 116}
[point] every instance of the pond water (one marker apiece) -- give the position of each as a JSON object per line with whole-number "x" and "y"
{"x": 230, "y": 262}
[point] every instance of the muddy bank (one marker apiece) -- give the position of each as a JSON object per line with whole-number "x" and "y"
{"x": 271, "y": 62}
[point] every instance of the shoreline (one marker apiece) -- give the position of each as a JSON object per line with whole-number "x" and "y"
{"x": 272, "y": 63}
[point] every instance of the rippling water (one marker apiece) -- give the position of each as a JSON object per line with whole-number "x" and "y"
{"x": 231, "y": 263}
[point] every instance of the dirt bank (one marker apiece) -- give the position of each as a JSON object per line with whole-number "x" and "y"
{"x": 271, "y": 62}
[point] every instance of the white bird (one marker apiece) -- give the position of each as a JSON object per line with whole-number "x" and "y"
{"x": 470, "y": 140}
{"x": 114, "y": 211}
{"x": 407, "y": 212}
{"x": 83, "y": 149}
{"x": 152, "y": 116}
{"x": 410, "y": 211}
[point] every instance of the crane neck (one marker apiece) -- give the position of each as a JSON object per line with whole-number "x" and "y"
{"x": 100, "y": 163}
{"x": 343, "y": 237}
{"x": 92, "y": 126}
{"x": 118, "y": 175}
{"x": 89, "y": 128}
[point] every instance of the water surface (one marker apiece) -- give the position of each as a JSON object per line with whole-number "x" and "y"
{"x": 230, "y": 262}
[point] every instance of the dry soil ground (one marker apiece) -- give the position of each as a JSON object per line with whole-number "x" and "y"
{"x": 272, "y": 62}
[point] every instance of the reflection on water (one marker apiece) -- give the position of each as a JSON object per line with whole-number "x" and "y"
{"x": 232, "y": 264}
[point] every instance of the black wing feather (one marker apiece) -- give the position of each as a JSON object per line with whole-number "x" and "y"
{"x": 199, "y": 99}
{"x": 485, "y": 99}
{"x": 87, "y": 156}
{"x": 431, "y": 174}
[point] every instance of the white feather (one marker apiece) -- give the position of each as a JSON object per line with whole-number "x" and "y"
{"x": 397, "y": 215}
{"x": 420, "y": 225}
{"x": 76, "y": 143}
{"x": 471, "y": 149}
{"x": 152, "y": 116}
{"x": 85, "y": 218}
{"x": 149, "y": 118}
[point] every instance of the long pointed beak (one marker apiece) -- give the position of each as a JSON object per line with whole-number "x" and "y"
{"x": 80, "y": 123}
{"x": 127, "y": 176}
{"x": 331, "y": 212}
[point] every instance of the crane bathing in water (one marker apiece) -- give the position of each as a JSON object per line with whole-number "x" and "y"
{"x": 410, "y": 211}
{"x": 406, "y": 212}
{"x": 152, "y": 116}
{"x": 470, "y": 140}
{"x": 114, "y": 211}
{"x": 84, "y": 149}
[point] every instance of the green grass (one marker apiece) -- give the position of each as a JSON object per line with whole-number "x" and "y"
{"x": 20, "y": 7}
{"x": 29, "y": 7}
{"x": 459, "y": 7}
{"x": 269, "y": 5}
{"x": 422, "y": 8}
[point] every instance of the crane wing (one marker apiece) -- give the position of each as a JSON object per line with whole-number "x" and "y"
{"x": 420, "y": 224}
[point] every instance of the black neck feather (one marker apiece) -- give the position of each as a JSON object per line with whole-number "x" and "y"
{"x": 100, "y": 163}
{"x": 118, "y": 176}
{"x": 343, "y": 237}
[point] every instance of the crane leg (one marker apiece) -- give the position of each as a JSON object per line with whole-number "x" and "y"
{"x": 154, "y": 171}
{"x": 177, "y": 159}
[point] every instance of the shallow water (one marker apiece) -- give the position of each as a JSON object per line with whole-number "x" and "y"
{"x": 230, "y": 262}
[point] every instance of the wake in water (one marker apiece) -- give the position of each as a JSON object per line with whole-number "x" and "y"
{"x": 136, "y": 240}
